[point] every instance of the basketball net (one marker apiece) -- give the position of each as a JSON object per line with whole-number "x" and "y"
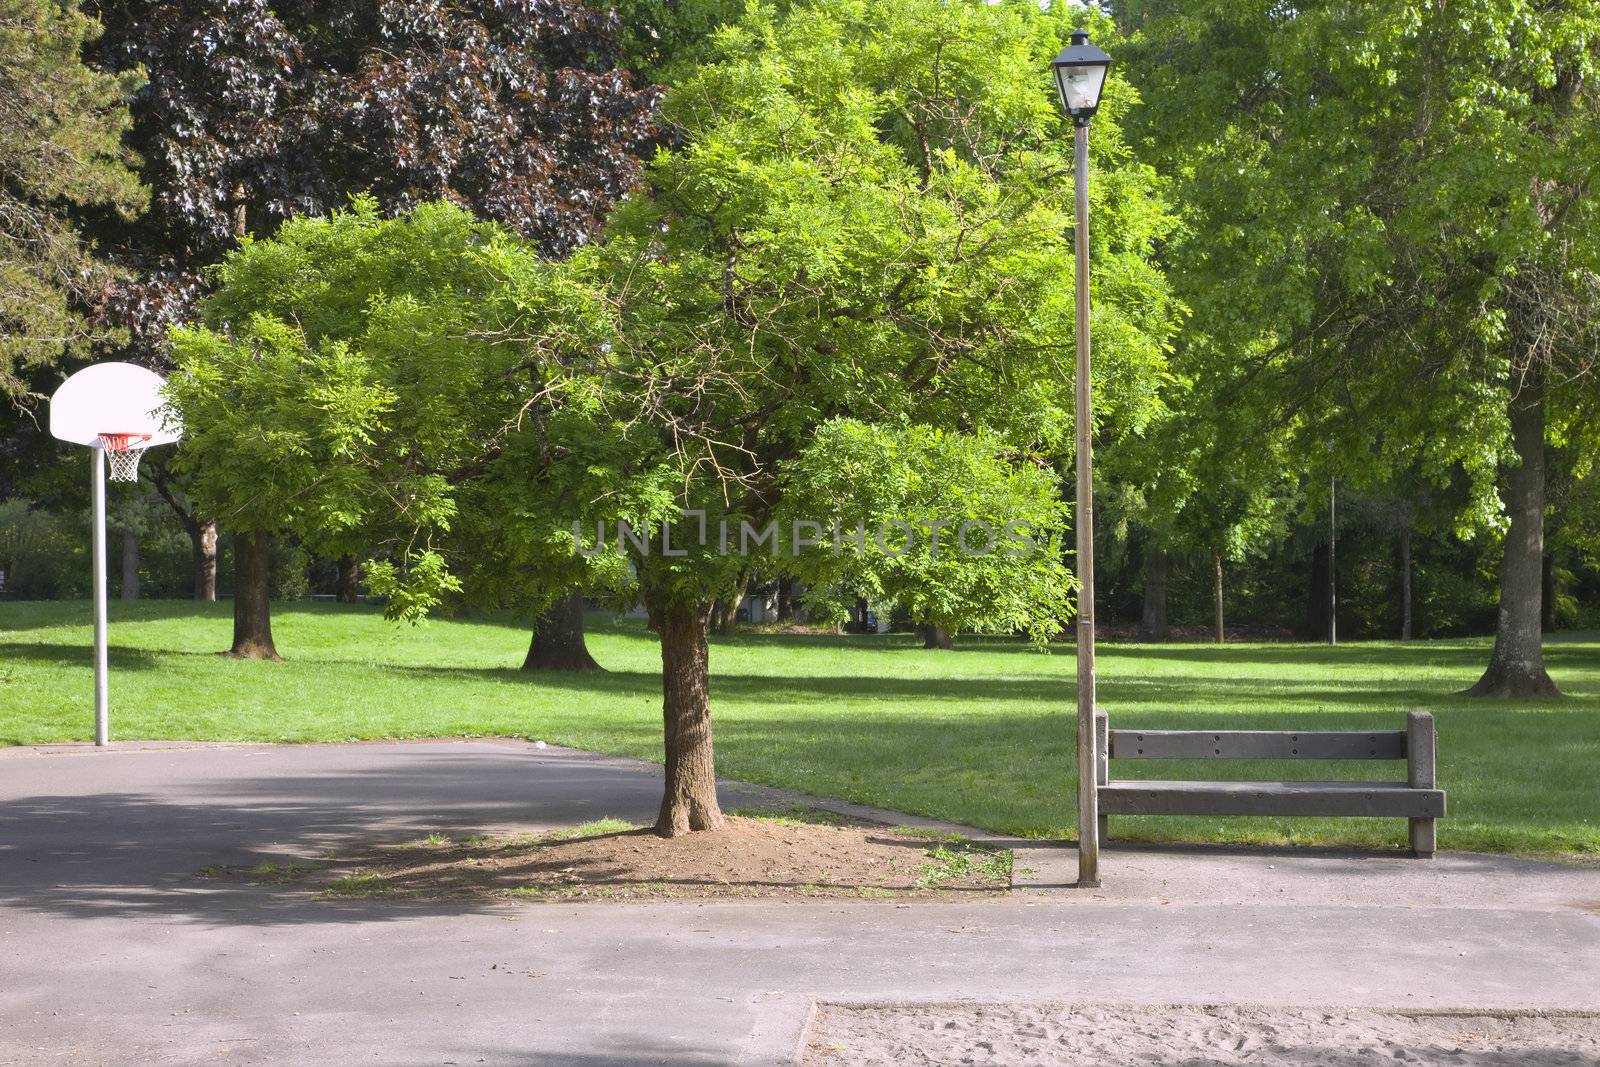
{"x": 122, "y": 455}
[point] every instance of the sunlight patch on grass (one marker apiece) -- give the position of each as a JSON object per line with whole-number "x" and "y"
{"x": 594, "y": 828}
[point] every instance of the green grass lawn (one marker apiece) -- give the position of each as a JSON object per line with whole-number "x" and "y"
{"x": 981, "y": 735}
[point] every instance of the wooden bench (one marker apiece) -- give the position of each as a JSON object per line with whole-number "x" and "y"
{"x": 1417, "y": 799}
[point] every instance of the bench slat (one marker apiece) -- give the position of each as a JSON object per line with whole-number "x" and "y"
{"x": 1258, "y": 744}
{"x": 1376, "y": 799}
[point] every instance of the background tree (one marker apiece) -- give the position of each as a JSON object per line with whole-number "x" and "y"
{"x": 255, "y": 113}
{"x": 515, "y": 544}
{"x": 60, "y": 130}
{"x": 663, "y": 40}
{"x": 331, "y": 393}
{"x": 1391, "y": 203}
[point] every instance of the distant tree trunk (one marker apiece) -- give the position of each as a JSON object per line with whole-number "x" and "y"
{"x": 786, "y": 599}
{"x": 1216, "y": 592}
{"x": 1153, "y": 622}
{"x": 203, "y": 541}
{"x": 130, "y": 565}
{"x": 1516, "y": 667}
{"x": 935, "y": 637}
{"x": 1405, "y": 583}
{"x": 252, "y": 597}
{"x": 349, "y": 575}
{"x": 202, "y": 535}
{"x": 727, "y": 609}
{"x": 689, "y": 801}
{"x": 558, "y": 643}
{"x": 1316, "y": 624}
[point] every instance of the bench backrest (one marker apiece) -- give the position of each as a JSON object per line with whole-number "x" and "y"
{"x": 1415, "y": 743}
{"x": 1256, "y": 744}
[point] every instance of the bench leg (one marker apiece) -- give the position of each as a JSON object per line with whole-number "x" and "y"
{"x": 1423, "y": 838}
{"x": 1104, "y": 828}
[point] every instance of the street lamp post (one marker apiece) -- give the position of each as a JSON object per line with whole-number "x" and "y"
{"x": 1080, "y": 72}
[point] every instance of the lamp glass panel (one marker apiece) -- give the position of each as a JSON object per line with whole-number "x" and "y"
{"x": 1080, "y": 86}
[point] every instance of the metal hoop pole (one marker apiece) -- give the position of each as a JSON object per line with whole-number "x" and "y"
{"x": 102, "y": 716}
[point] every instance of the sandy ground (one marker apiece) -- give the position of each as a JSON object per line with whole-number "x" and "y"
{"x": 1196, "y": 1036}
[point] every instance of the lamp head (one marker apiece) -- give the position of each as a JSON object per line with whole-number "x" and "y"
{"x": 1080, "y": 72}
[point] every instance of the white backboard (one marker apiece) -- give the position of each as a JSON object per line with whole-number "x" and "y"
{"x": 112, "y": 398}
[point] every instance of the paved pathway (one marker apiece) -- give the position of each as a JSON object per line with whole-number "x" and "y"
{"x": 112, "y": 953}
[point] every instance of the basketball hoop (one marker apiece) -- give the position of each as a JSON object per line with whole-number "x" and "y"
{"x": 110, "y": 394}
{"x": 122, "y": 455}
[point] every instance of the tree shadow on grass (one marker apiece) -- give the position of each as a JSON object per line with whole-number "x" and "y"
{"x": 118, "y": 657}
{"x": 1162, "y": 694}
{"x": 1121, "y": 692}
{"x": 23, "y": 615}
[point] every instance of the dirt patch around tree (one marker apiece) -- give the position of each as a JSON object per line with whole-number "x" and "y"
{"x": 1033, "y": 1035}
{"x": 762, "y": 855}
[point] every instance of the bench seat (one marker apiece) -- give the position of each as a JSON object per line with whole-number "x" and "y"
{"x": 1141, "y": 796}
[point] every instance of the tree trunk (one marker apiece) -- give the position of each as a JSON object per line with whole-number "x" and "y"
{"x": 786, "y": 599}
{"x": 130, "y": 565}
{"x": 1405, "y": 583}
{"x": 203, "y": 540}
{"x": 241, "y": 225}
{"x": 558, "y": 643}
{"x": 1547, "y": 594}
{"x": 252, "y": 597}
{"x": 689, "y": 801}
{"x": 349, "y": 574}
{"x": 936, "y": 637}
{"x": 1516, "y": 667}
{"x": 1153, "y": 622}
{"x": 1216, "y": 592}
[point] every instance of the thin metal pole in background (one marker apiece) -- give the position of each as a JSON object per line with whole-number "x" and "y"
{"x": 102, "y": 715}
{"x": 1083, "y": 522}
{"x": 1333, "y": 573}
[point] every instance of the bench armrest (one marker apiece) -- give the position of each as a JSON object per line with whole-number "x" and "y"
{"x": 1421, "y": 749}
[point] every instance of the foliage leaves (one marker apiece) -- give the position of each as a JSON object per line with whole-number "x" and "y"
{"x": 257, "y": 112}
{"x": 60, "y": 125}
{"x": 960, "y": 530}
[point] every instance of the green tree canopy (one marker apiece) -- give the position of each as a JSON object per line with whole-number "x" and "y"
{"x": 866, "y": 217}
{"x": 60, "y": 125}
{"x": 355, "y": 371}
{"x": 960, "y": 530}
{"x": 1391, "y": 236}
